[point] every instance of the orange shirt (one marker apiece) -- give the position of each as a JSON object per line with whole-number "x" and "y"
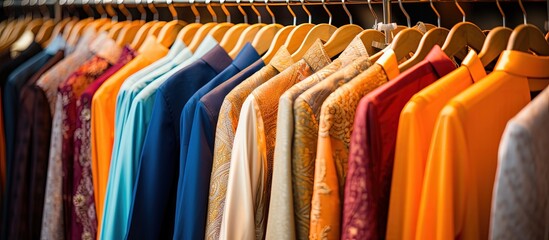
{"x": 103, "y": 110}
{"x": 416, "y": 125}
{"x": 457, "y": 191}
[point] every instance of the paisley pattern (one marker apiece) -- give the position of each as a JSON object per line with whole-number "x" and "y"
{"x": 224, "y": 137}
{"x": 281, "y": 224}
{"x": 306, "y": 113}
{"x": 334, "y": 136}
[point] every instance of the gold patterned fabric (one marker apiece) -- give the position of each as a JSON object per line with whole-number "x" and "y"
{"x": 306, "y": 111}
{"x": 334, "y": 135}
{"x": 224, "y": 137}
{"x": 281, "y": 223}
{"x": 248, "y": 187}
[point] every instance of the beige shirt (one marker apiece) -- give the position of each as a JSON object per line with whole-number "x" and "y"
{"x": 224, "y": 137}
{"x": 281, "y": 222}
{"x": 248, "y": 188}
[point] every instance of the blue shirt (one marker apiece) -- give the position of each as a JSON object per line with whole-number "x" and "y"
{"x": 192, "y": 199}
{"x": 153, "y": 208}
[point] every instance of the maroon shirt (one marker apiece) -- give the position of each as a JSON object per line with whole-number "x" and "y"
{"x": 83, "y": 214}
{"x": 372, "y": 148}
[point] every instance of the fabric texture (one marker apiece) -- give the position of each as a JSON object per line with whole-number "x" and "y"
{"x": 415, "y": 128}
{"x": 521, "y": 192}
{"x": 195, "y": 170}
{"x": 224, "y": 137}
{"x": 462, "y": 161}
{"x": 249, "y": 183}
{"x": 281, "y": 222}
{"x": 102, "y": 121}
{"x": 162, "y": 141}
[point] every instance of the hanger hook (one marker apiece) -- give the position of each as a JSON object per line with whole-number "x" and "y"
{"x": 150, "y": 5}
{"x": 244, "y": 14}
{"x": 225, "y": 10}
{"x": 373, "y": 12}
{"x": 436, "y": 12}
{"x": 291, "y": 12}
{"x": 44, "y": 9}
{"x": 255, "y": 11}
{"x": 347, "y": 11}
{"x": 523, "y": 11}
{"x": 460, "y": 10}
{"x": 327, "y": 12}
{"x": 172, "y": 9}
{"x": 405, "y": 13}
{"x": 110, "y": 11}
{"x": 99, "y": 8}
{"x": 141, "y": 10}
{"x": 195, "y": 11}
{"x": 502, "y": 13}
{"x": 306, "y": 11}
{"x": 124, "y": 10}
{"x": 210, "y": 10}
{"x": 273, "y": 20}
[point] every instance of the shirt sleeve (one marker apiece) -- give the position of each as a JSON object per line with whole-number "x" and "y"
{"x": 442, "y": 202}
{"x": 247, "y": 168}
{"x": 194, "y": 182}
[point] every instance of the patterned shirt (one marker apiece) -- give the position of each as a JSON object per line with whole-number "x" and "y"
{"x": 224, "y": 137}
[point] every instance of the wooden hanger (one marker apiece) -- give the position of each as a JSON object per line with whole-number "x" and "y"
{"x": 294, "y": 40}
{"x": 44, "y": 34}
{"x": 77, "y": 30}
{"x": 547, "y": 36}
{"x": 116, "y": 29}
{"x": 462, "y": 35}
{"x": 141, "y": 34}
{"x": 435, "y": 36}
{"x": 341, "y": 38}
{"x": 370, "y": 36}
{"x": 187, "y": 33}
{"x": 279, "y": 40}
{"x": 321, "y": 31}
{"x": 247, "y": 36}
{"x": 57, "y": 29}
{"x": 528, "y": 38}
{"x": 404, "y": 43}
{"x": 218, "y": 32}
{"x": 127, "y": 35}
{"x": 68, "y": 28}
{"x": 169, "y": 32}
{"x": 429, "y": 26}
{"x": 232, "y": 35}
{"x": 156, "y": 28}
{"x": 495, "y": 43}
{"x": 200, "y": 35}
{"x": 264, "y": 38}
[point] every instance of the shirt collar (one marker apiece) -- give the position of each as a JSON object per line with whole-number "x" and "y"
{"x": 389, "y": 63}
{"x": 474, "y": 65}
{"x": 441, "y": 63}
{"x": 316, "y": 57}
{"x": 355, "y": 49}
{"x": 55, "y": 45}
{"x": 176, "y": 48}
{"x": 245, "y": 57}
{"x": 152, "y": 49}
{"x": 523, "y": 64}
{"x": 282, "y": 59}
{"x": 205, "y": 46}
{"x": 105, "y": 47}
{"x": 217, "y": 58}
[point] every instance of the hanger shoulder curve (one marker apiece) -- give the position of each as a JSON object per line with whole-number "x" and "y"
{"x": 368, "y": 37}
{"x": 219, "y": 30}
{"x": 116, "y": 29}
{"x": 526, "y": 38}
{"x": 200, "y": 34}
{"x": 141, "y": 34}
{"x": 279, "y": 40}
{"x": 187, "y": 33}
{"x": 169, "y": 32}
{"x": 464, "y": 34}
{"x": 45, "y": 32}
{"x": 495, "y": 43}
{"x": 321, "y": 31}
{"x": 128, "y": 34}
{"x": 231, "y": 36}
{"x": 406, "y": 42}
{"x": 435, "y": 36}
{"x": 262, "y": 41}
{"x": 247, "y": 36}
{"x": 341, "y": 38}
{"x": 297, "y": 35}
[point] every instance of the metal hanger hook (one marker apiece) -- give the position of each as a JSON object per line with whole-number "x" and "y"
{"x": 460, "y": 10}
{"x": 306, "y": 11}
{"x": 273, "y": 20}
{"x": 150, "y": 5}
{"x": 225, "y": 10}
{"x": 523, "y": 11}
{"x": 244, "y": 14}
{"x": 141, "y": 10}
{"x": 172, "y": 9}
{"x": 347, "y": 11}
{"x": 327, "y": 12}
{"x": 255, "y": 11}
{"x": 502, "y": 13}
{"x": 436, "y": 12}
{"x": 124, "y": 10}
{"x": 408, "y": 21}
{"x": 210, "y": 10}
{"x": 195, "y": 12}
{"x": 373, "y": 12}
{"x": 291, "y": 12}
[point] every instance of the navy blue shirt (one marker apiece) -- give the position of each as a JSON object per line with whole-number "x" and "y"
{"x": 192, "y": 197}
{"x": 153, "y": 206}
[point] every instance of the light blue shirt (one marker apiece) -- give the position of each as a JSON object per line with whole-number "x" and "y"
{"x": 125, "y": 163}
{"x": 178, "y": 53}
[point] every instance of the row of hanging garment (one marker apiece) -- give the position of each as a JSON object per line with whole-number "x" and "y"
{"x": 147, "y": 130}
